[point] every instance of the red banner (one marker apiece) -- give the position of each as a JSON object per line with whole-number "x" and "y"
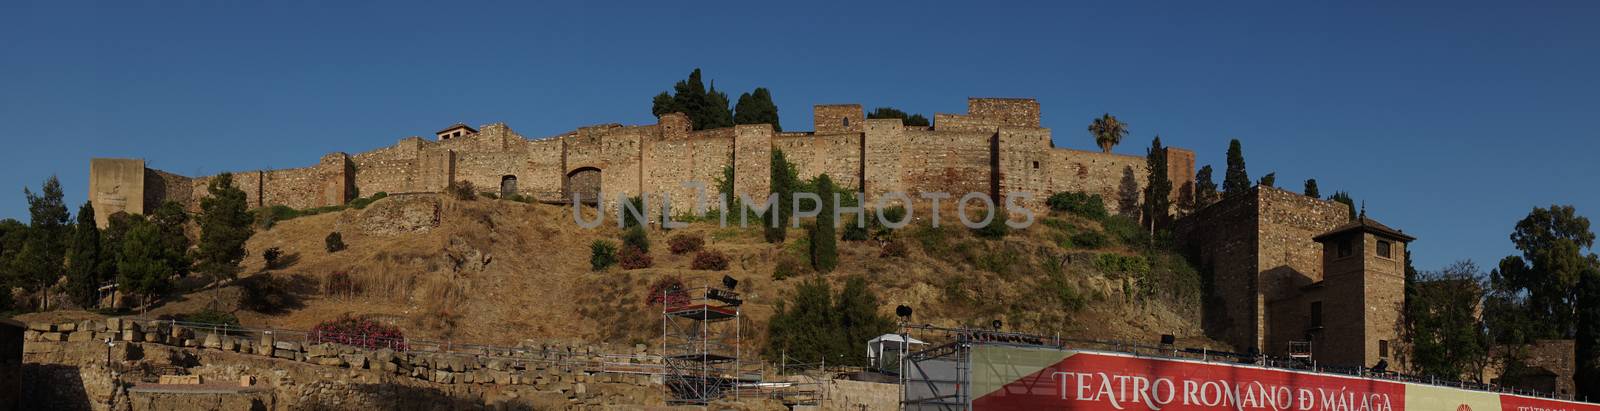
{"x": 1007, "y": 378}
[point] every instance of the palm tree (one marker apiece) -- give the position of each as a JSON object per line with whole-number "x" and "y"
{"x": 1108, "y": 131}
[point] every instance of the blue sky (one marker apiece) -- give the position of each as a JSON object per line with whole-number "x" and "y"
{"x": 1450, "y": 120}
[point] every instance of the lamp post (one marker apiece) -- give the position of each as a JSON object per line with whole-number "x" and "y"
{"x": 111, "y": 373}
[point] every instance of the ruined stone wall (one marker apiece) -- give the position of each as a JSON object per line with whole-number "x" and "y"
{"x": 116, "y": 185}
{"x": 1024, "y": 164}
{"x": 161, "y": 187}
{"x": 752, "y": 161}
{"x": 883, "y": 152}
{"x": 962, "y": 122}
{"x": 1289, "y": 259}
{"x": 837, "y": 155}
{"x": 1118, "y": 179}
{"x": 392, "y": 169}
{"x": 1221, "y": 241}
{"x": 545, "y": 167}
{"x": 955, "y": 162}
{"x": 1013, "y": 112}
{"x": 838, "y": 118}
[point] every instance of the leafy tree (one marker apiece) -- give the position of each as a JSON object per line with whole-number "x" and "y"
{"x": 1087, "y": 205}
{"x": 1205, "y": 188}
{"x": 1269, "y": 180}
{"x": 707, "y": 109}
{"x": 783, "y": 181}
{"x": 143, "y": 266}
{"x": 1236, "y": 181}
{"x": 13, "y": 235}
{"x": 86, "y": 265}
{"x": 756, "y": 107}
{"x": 824, "y": 238}
{"x": 41, "y": 258}
{"x": 1587, "y": 347}
{"x": 814, "y": 324}
{"x": 1448, "y": 339}
{"x": 224, "y": 228}
{"x": 171, "y": 220}
{"x": 1535, "y": 294}
{"x": 1349, "y": 202}
{"x": 1311, "y": 189}
{"x": 1158, "y": 187}
{"x": 1108, "y": 131}
{"x": 906, "y": 119}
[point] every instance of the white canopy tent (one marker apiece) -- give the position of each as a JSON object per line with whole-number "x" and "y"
{"x": 894, "y": 344}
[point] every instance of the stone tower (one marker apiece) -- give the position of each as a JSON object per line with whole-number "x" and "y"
{"x": 1352, "y": 316}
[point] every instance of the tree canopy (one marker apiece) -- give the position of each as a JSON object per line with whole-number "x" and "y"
{"x": 1311, "y": 189}
{"x": 1205, "y": 188}
{"x": 1158, "y": 187}
{"x": 813, "y": 323}
{"x": 1447, "y": 337}
{"x": 756, "y": 107}
{"x": 1108, "y": 131}
{"x": 225, "y": 225}
{"x": 1235, "y": 180}
{"x": 906, "y": 119}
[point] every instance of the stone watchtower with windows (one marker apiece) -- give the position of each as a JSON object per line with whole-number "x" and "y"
{"x": 1352, "y": 315}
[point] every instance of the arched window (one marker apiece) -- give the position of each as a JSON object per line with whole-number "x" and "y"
{"x": 846, "y": 122}
{"x": 508, "y": 185}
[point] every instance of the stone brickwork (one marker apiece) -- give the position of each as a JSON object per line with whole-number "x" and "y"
{"x": 996, "y": 147}
{"x": 1257, "y": 248}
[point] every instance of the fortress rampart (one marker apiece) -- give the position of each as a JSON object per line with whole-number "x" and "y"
{"x": 996, "y": 147}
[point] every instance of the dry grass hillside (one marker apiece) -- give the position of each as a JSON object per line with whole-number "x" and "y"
{"x": 498, "y": 272}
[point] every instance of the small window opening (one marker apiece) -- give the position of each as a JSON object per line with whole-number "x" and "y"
{"x": 846, "y": 121}
{"x": 1036, "y": 165}
{"x": 1383, "y": 348}
{"x": 1345, "y": 248}
{"x": 1383, "y": 249}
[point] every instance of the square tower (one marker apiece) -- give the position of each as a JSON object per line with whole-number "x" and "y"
{"x": 838, "y": 118}
{"x": 1354, "y": 312}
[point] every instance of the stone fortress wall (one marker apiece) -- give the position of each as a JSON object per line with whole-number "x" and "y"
{"x": 997, "y": 147}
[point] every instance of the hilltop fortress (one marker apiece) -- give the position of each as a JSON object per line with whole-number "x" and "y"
{"x": 1285, "y": 269}
{"x": 997, "y": 147}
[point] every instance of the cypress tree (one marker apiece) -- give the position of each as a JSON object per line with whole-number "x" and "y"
{"x": 756, "y": 107}
{"x": 1158, "y": 187}
{"x": 706, "y": 109}
{"x": 1587, "y": 347}
{"x": 824, "y": 238}
{"x": 1269, "y": 180}
{"x": 1236, "y": 180}
{"x": 1344, "y": 198}
{"x": 1311, "y": 189}
{"x": 1205, "y": 188}
{"x": 143, "y": 265}
{"x": 85, "y": 259}
{"x": 782, "y": 183}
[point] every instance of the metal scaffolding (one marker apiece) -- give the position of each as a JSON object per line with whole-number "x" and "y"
{"x": 700, "y": 340}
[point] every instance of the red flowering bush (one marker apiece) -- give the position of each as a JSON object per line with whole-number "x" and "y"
{"x": 357, "y": 332}
{"x": 709, "y": 260}
{"x": 633, "y": 258}
{"x": 684, "y": 244}
{"x": 669, "y": 290}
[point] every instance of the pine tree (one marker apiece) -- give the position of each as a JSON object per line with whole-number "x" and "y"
{"x": 85, "y": 260}
{"x": 225, "y": 225}
{"x": 1205, "y": 188}
{"x": 171, "y": 220}
{"x": 1311, "y": 189}
{"x": 707, "y": 109}
{"x": 858, "y": 318}
{"x": 1158, "y": 187}
{"x": 144, "y": 265}
{"x": 756, "y": 107}
{"x": 824, "y": 237}
{"x": 41, "y": 260}
{"x": 1236, "y": 181}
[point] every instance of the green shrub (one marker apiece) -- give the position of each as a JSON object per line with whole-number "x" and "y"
{"x": 786, "y": 267}
{"x": 1001, "y": 260}
{"x": 636, "y": 237}
{"x": 1088, "y": 240}
{"x": 361, "y": 203}
{"x": 211, "y": 317}
{"x": 892, "y": 214}
{"x": 462, "y": 190}
{"x": 854, "y": 231}
{"x": 628, "y": 219}
{"x": 1058, "y": 224}
{"x": 1129, "y": 264}
{"x": 1083, "y": 204}
{"x": 602, "y": 254}
{"x": 996, "y": 229}
{"x": 934, "y": 240}
{"x": 271, "y": 256}
{"x": 334, "y": 242}
{"x": 1126, "y": 230}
